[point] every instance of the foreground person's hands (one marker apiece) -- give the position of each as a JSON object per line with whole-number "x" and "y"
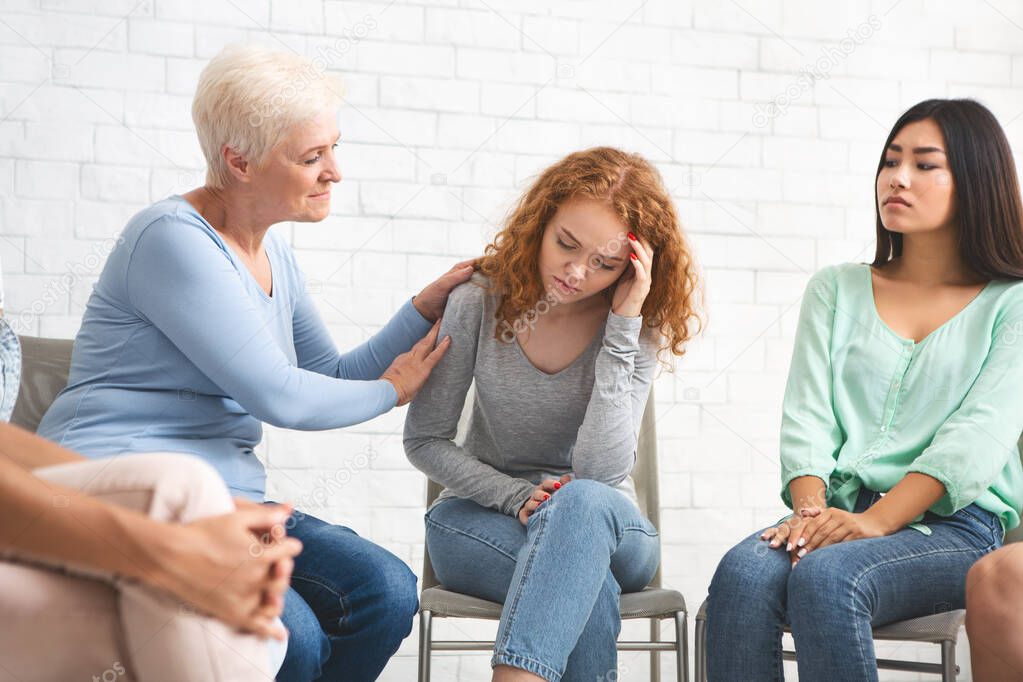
{"x": 541, "y": 494}
{"x": 410, "y": 370}
{"x": 430, "y": 301}
{"x": 235, "y": 567}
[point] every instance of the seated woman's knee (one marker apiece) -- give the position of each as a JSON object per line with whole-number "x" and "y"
{"x": 995, "y": 575}
{"x": 189, "y": 486}
{"x": 395, "y": 591}
{"x": 583, "y": 495}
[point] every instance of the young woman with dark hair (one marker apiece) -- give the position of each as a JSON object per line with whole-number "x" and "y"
{"x": 901, "y": 415}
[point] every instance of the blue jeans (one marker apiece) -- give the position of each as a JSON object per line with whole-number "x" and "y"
{"x": 350, "y": 605}
{"x": 559, "y": 577}
{"x": 835, "y": 594}
{"x": 10, "y": 369}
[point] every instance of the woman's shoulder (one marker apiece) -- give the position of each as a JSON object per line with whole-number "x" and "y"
{"x": 470, "y": 297}
{"x": 171, "y": 222}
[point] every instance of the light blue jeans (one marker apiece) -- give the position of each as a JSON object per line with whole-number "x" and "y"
{"x": 835, "y": 594}
{"x": 10, "y": 369}
{"x": 559, "y": 577}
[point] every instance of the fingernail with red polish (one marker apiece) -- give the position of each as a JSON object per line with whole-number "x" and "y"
{"x": 556, "y": 485}
{"x": 632, "y": 236}
{"x": 546, "y": 497}
{"x": 633, "y": 256}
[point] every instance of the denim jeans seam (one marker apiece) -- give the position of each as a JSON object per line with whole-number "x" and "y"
{"x": 525, "y": 663}
{"x": 513, "y": 607}
{"x": 345, "y": 610}
{"x": 483, "y": 541}
{"x": 868, "y": 569}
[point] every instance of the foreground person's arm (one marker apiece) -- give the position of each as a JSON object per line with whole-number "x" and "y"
{"x": 208, "y": 563}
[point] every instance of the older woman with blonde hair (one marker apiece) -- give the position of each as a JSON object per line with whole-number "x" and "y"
{"x": 200, "y": 328}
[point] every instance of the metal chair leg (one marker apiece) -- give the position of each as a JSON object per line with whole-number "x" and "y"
{"x": 655, "y": 656}
{"x": 701, "y": 650}
{"x": 682, "y": 647}
{"x": 949, "y": 669}
{"x": 425, "y": 634}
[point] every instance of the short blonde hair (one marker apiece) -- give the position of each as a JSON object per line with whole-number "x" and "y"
{"x": 249, "y": 97}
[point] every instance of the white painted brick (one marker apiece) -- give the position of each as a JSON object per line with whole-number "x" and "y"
{"x": 971, "y": 67}
{"x": 761, "y": 16}
{"x": 505, "y": 67}
{"x": 558, "y": 104}
{"x": 547, "y": 34}
{"x": 209, "y": 40}
{"x": 183, "y": 74}
{"x": 301, "y": 16}
{"x": 459, "y": 131}
{"x": 143, "y": 147}
{"x": 115, "y": 8}
{"x": 703, "y": 48}
{"x": 161, "y": 37}
{"x": 473, "y": 28}
{"x": 386, "y": 126}
{"x": 526, "y": 136}
{"x": 113, "y": 183}
{"x": 708, "y": 82}
{"x": 102, "y": 219}
{"x": 652, "y": 143}
{"x": 401, "y": 58}
{"x": 800, "y": 220}
{"x": 57, "y": 142}
{"x": 153, "y": 110}
{"x": 376, "y": 162}
{"x": 625, "y": 41}
{"x": 614, "y": 75}
{"x": 805, "y": 153}
{"x": 43, "y": 179}
{"x": 65, "y": 104}
{"x": 95, "y": 68}
{"x": 717, "y": 148}
{"x": 409, "y": 200}
{"x": 65, "y": 30}
{"x": 378, "y": 21}
{"x": 23, "y": 64}
{"x": 247, "y": 13}
{"x": 36, "y": 218}
{"x": 857, "y": 124}
{"x": 430, "y": 94}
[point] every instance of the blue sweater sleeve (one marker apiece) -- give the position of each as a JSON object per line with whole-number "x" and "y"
{"x": 182, "y": 282}
{"x": 316, "y": 351}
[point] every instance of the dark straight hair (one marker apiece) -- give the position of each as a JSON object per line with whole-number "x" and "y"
{"x": 988, "y": 207}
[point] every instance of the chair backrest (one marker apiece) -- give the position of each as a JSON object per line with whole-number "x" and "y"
{"x": 644, "y": 475}
{"x": 45, "y": 364}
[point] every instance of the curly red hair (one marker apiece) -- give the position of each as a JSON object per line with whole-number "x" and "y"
{"x": 633, "y": 188}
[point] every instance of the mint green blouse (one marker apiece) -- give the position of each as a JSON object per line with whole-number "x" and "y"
{"x": 864, "y": 407}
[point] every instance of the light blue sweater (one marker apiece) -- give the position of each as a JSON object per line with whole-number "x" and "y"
{"x": 181, "y": 350}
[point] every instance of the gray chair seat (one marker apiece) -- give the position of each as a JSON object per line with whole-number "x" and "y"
{"x": 652, "y": 602}
{"x": 939, "y": 628}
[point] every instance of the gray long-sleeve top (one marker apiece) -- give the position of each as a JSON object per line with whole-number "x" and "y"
{"x": 527, "y": 425}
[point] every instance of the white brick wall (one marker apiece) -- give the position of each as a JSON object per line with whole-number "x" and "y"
{"x": 452, "y": 107}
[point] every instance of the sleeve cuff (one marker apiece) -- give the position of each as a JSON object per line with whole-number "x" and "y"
{"x": 520, "y": 499}
{"x": 951, "y": 501}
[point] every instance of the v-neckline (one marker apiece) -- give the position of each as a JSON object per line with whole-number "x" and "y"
{"x": 234, "y": 255}
{"x": 525, "y": 358}
{"x": 913, "y": 342}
